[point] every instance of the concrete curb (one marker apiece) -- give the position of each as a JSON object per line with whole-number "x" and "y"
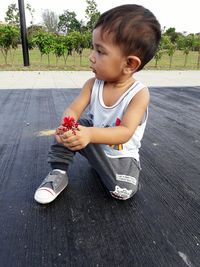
{"x": 76, "y": 79}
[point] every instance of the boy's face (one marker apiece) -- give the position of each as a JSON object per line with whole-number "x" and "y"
{"x": 107, "y": 60}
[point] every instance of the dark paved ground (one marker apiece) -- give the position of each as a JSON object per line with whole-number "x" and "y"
{"x": 160, "y": 226}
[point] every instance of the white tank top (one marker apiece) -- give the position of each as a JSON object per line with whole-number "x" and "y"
{"x": 103, "y": 116}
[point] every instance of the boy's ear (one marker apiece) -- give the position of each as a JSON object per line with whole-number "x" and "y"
{"x": 132, "y": 64}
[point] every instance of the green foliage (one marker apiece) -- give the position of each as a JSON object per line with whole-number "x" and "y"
{"x": 167, "y": 46}
{"x": 197, "y": 48}
{"x": 92, "y": 14}
{"x": 79, "y": 44}
{"x": 172, "y": 34}
{"x": 158, "y": 55}
{"x": 197, "y": 42}
{"x": 68, "y": 42}
{"x": 186, "y": 44}
{"x": 73, "y": 61}
{"x": 78, "y": 37}
{"x": 68, "y": 22}
{"x": 59, "y": 48}
{"x": 78, "y": 41}
{"x": 45, "y": 42}
{"x": 33, "y": 30}
{"x": 88, "y": 39}
{"x": 9, "y": 39}
{"x": 12, "y": 15}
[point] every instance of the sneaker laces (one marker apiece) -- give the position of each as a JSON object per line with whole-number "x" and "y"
{"x": 53, "y": 172}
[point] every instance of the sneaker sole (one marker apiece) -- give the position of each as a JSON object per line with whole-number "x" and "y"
{"x": 47, "y": 200}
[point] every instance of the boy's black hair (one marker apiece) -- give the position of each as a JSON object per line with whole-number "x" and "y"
{"x": 134, "y": 28}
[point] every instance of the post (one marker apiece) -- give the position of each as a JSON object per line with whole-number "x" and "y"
{"x": 23, "y": 32}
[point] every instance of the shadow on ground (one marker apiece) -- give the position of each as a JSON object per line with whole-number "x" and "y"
{"x": 84, "y": 226}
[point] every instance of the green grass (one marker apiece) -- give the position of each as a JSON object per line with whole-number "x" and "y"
{"x": 73, "y": 62}
{"x": 178, "y": 62}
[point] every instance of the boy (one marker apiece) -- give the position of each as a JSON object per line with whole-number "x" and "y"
{"x": 125, "y": 38}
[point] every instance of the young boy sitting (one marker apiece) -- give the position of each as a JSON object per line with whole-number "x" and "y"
{"x": 125, "y": 38}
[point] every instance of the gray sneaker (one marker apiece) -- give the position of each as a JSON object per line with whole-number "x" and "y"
{"x": 51, "y": 187}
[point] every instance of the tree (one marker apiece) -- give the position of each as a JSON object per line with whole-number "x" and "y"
{"x": 50, "y": 20}
{"x": 170, "y": 51}
{"x": 59, "y": 48}
{"x": 92, "y": 14}
{"x": 172, "y": 34}
{"x": 12, "y": 15}
{"x": 68, "y": 22}
{"x": 45, "y": 42}
{"x": 158, "y": 55}
{"x": 169, "y": 47}
{"x": 31, "y": 12}
{"x": 197, "y": 48}
{"x": 32, "y": 31}
{"x": 68, "y": 41}
{"x": 79, "y": 43}
{"x": 186, "y": 44}
{"x": 9, "y": 39}
{"x": 88, "y": 39}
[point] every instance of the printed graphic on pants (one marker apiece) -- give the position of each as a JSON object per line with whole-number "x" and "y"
{"x": 126, "y": 178}
{"x": 118, "y": 146}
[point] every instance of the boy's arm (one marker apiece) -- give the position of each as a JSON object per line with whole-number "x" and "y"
{"x": 113, "y": 135}
{"x": 76, "y": 108}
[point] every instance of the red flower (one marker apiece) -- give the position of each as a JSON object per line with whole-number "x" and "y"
{"x": 68, "y": 124}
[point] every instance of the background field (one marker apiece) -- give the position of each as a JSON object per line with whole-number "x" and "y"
{"x": 73, "y": 62}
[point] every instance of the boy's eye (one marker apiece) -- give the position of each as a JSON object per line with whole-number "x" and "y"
{"x": 98, "y": 50}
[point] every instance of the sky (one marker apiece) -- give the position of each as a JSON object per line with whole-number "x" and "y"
{"x": 181, "y": 14}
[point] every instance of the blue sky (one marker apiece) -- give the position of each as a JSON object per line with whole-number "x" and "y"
{"x": 183, "y": 15}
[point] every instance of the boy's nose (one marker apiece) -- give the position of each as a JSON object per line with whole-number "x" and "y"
{"x": 91, "y": 57}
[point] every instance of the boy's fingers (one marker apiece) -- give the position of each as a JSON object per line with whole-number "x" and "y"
{"x": 58, "y": 139}
{"x": 66, "y": 135}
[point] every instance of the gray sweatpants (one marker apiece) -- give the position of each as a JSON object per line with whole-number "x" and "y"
{"x": 119, "y": 175}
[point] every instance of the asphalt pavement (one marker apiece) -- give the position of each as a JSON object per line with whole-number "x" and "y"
{"x": 85, "y": 226}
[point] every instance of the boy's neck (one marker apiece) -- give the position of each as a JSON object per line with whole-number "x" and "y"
{"x": 121, "y": 84}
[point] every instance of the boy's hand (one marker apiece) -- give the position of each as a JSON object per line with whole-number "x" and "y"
{"x": 76, "y": 141}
